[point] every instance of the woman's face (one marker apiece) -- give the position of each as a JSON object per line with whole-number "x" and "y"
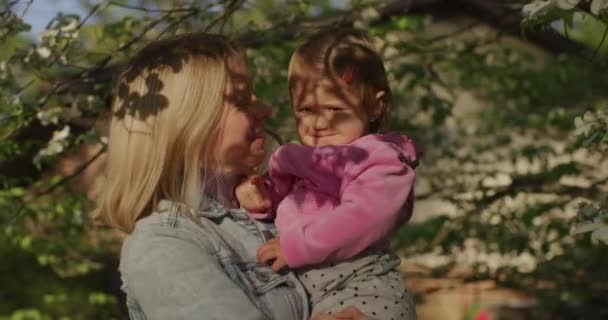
{"x": 239, "y": 147}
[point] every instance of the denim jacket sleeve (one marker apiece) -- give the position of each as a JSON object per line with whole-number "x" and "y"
{"x": 174, "y": 276}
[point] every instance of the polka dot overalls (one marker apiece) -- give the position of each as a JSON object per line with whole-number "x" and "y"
{"x": 369, "y": 282}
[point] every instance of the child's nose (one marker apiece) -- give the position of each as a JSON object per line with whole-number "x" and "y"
{"x": 321, "y": 122}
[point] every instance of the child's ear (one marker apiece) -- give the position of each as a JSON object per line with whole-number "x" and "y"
{"x": 381, "y": 106}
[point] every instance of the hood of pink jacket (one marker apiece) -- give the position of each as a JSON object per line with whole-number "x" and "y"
{"x": 406, "y": 145}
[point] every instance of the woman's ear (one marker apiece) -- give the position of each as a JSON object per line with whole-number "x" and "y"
{"x": 380, "y": 106}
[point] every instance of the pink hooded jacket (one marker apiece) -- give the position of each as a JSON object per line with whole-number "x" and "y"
{"x": 333, "y": 202}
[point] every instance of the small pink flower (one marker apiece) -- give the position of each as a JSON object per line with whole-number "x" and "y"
{"x": 483, "y": 314}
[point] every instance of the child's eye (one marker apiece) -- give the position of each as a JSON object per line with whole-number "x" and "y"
{"x": 305, "y": 110}
{"x": 335, "y": 109}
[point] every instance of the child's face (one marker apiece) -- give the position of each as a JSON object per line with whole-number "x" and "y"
{"x": 327, "y": 112}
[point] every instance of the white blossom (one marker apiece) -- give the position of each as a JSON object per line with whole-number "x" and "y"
{"x": 598, "y": 5}
{"x": 43, "y": 52}
{"x": 48, "y": 36}
{"x": 555, "y": 249}
{"x": 57, "y": 143}
{"x": 598, "y": 229}
{"x": 524, "y": 262}
{"x": 566, "y": 4}
{"x": 72, "y": 26}
{"x": 3, "y": 70}
{"x": 55, "y": 114}
{"x": 360, "y": 24}
{"x": 369, "y": 14}
{"x": 61, "y": 135}
{"x": 540, "y": 7}
{"x": 584, "y": 124}
{"x": 496, "y": 219}
{"x": 27, "y": 57}
{"x": 600, "y": 234}
{"x": 392, "y": 38}
{"x": 537, "y": 8}
{"x": 49, "y": 116}
{"x": 499, "y": 180}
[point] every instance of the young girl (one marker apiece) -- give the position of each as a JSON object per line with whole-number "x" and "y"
{"x": 337, "y": 197}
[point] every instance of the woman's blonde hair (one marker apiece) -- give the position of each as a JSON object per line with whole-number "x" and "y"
{"x": 167, "y": 106}
{"x": 336, "y": 53}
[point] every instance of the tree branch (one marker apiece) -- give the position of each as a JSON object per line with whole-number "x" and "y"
{"x": 144, "y": 9}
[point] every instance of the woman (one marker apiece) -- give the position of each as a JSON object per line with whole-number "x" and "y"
{"x": 185, "y": 128}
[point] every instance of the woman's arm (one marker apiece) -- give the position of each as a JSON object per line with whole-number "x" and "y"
{"x": 175, "y": 278}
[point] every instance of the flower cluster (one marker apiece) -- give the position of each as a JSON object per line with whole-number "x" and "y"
{"x": 56, "y": 145}
{"x": 592, "y": 129}
{"x": 594, "y": 220}
{"x": 55, "y": 39}
{"x": 540, "y": 8}
{"x": 54, "y": 114}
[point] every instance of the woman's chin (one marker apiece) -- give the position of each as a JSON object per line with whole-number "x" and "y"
{"x": 257, "y": 150}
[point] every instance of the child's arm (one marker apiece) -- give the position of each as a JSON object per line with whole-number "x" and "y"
{"x": 260, "y": 195}
{"x": 370, "y": 208}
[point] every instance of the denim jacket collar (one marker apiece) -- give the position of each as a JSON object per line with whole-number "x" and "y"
{"x": 209, "y": 208}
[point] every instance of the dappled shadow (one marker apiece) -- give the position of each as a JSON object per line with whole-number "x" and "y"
{"x": 139, "y": 105}
{"x": 160, "y": 56}
{"x": 324, "y": 187}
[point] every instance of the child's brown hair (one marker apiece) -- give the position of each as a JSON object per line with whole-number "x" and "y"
{"x": 349, "y": 56}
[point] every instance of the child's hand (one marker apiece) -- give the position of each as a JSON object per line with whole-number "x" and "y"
{"x": 270, "y": 251}
{"x": 253, "y": 195}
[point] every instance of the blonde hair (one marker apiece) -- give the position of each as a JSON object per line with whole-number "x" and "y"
{"x": 167, "y": 107}
{"x": 331, "y": 53}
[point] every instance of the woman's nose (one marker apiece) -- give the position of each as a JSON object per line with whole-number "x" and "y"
{"x": 260, "y": 110}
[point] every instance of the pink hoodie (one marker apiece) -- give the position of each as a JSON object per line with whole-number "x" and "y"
{"x": 333, "y": 202}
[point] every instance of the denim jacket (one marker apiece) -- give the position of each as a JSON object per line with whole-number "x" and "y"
{"x": 174, "y": 268}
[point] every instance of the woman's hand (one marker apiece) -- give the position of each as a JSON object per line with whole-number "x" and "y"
{"x": 271, "y": 251}
{"x": 350, "y": 313}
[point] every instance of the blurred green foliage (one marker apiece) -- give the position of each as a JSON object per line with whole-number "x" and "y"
{"x": 504, "y": 155}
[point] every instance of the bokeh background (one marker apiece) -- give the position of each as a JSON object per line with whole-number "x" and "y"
{"x": 508, "y": 99}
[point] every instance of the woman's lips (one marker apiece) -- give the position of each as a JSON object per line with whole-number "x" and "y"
{"x": 258, "y": 134}
{"x": 258, "y": 139}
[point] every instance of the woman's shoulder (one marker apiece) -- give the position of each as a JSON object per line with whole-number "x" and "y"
{"x": 168, "y": 222}
{"x": 168, "y": 217}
